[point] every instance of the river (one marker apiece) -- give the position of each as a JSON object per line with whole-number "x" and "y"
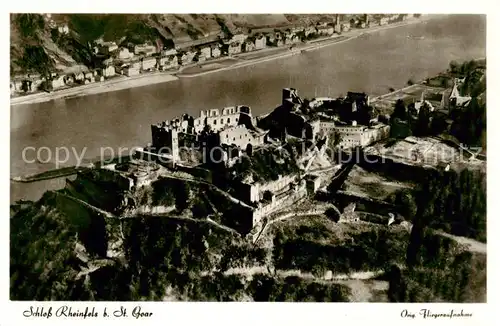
{"x": 372, "y": 63}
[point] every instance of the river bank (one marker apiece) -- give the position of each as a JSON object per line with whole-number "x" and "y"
{"x": 297, "y": 49}
{"x": 239, "y": 61}
{"x": 115, "y": 84}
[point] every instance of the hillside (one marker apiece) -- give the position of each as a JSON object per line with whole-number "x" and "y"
{"x": 171, "y": 240}
{"x": 36, "y": 45}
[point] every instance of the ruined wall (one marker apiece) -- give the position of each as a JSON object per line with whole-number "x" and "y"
{"x": 221, "y": 119}
{"x": 276, "y": 186}
{"x": 353, "y": 136}
{"x": 279, "y": 203}
{"x": 248, "y": 193}
{"x": 251, "y": 193}
{"x": 239, "y": 136}
{"x": 108, "y": 176}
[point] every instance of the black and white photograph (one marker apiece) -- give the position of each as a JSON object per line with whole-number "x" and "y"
{"x": 238, "y": 157}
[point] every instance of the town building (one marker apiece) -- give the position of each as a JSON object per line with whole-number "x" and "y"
{"x": 187, "y": 57}
{"x": 205, "y": 52}
{"x": 216, "y": 50}
{"x": 168, "y": 62}
{"x": 17, "y": 84}
{"x": 260, "y": 42}
{"x": 310, "y": 30}
{"x": 276, "y": 39}
{"x": 249, "y": 45}
{"x": 145, "y": 49}
{"x": 108, "y": 71}
{"x": 69, "y": 80}
{"x": 234, "y": 48}
{"x": 125, "y": 54}
{"x": 131, "y": 71}
{"x": 57, "y": 82}
{"x": 79, "y": 77}
{"x": 384, "y": 21}
{"x": 239, "y": 38}
{"x": 148, "y": 64}
{"x": 325, "y": 30}
{"x": 107, "y": 47}
{"x": 89, "y": 80}
{"x": 168, "y": 52}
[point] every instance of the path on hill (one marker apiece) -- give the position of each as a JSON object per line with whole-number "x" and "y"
{"x": 256, "y": 270}
{"x": 89, "y": 206}
{"x": 471, "y": 244}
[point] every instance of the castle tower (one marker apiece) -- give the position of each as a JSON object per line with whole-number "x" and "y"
{"x": 174, "y": 136}
{"x": 165, "y": 140}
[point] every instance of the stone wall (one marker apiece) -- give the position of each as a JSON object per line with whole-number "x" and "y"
{"x": 104, "y": 175}
{"x": 280, "y": 202}
{"x": 220, "y": 119}
{"x": 277, "y": 186}
{"x": 352, "y": 136}
{"x": 240, "y": 136}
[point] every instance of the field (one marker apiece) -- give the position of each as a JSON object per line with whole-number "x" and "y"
{"x": 372, "y": 185}
{"x": 412, "y": 150}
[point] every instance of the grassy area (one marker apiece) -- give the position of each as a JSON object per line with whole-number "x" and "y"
{"x": 372, "y": 185}
{"x": 42, "y": 242}
{"x": 371, "y": 249}
{"x": 443, "y": 271}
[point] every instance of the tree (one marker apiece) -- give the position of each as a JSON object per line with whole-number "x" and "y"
{"x": 397, "y": 286}
{"x": 337, "y": 138}
{"x": 400, "y": 111}
{"x": 406, "y": 200}
{"x": 423, "y": 121}
{"x": 454, "y": 66}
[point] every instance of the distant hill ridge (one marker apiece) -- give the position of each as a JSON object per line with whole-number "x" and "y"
{"x": 38, "y": 45}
